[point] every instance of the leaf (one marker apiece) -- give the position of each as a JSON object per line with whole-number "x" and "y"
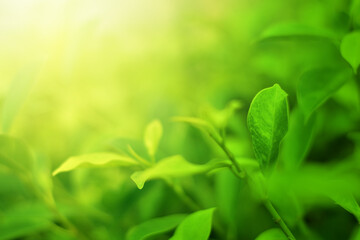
{"x": 154, "y": 227}
{"x": 294, "y": 30}
{"x": 268, "y": 124}
{"x": 153, "y": 134}
{"x": 347, "y": 201}
{"x": 18, "y": 91}
{"x": 220, "y": 118}
{"x": 122, "y": 145}
{"x": 199, "y": 124}
{"x": 272, "y": 234}
{"x": 350, "y": 49}
{"x": 298, "y": 140}
{"x": 195, "y": 226}
{"x": 102, "y": 159}
{"x": 15, "y": 154}
{"x": 317, "y": 85}
{"x": 175, "y": 166}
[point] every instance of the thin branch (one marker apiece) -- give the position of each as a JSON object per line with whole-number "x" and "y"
{"x": 229, "y": 155}
{"x": 241, "y": 174}
{"x": 277, "y": 218}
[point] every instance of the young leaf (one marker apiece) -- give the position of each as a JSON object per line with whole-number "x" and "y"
{"x": 153, "y": 134}
{"x": 15, "y": 154}
{"x": 350, "y": 49}
{"x": 317, "y": 85}
{"x": 268, "y": 124}
{"x": 154, "y": 227}
{"x": 196, "y": 226}
{"x": 175, "y": 166}
{"x": 102, "y": 159}
{"x": 298, "y": 140}
{"x": 220, "y": 118}
{"x": 272, "y": 234}
{"x": 294, "y": 30}
{"x": 199, "y": 124}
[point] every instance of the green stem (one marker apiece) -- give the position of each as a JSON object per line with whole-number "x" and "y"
{"x": 277, "y": 218}
{"x": 241, "y": 174}
{"x": 230, "y": 156}
{"x": 179, "y": 191}
{"x": 139, "y": 158}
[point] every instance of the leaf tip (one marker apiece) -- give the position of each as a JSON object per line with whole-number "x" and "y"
{"x": 138, "y": 180}
{"x": 56, "y": 172}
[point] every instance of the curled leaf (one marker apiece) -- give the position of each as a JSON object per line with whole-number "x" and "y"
{"x": 102, "y": 159}
{"x": 175, "y": 166}
{"x": 295, "y": 30}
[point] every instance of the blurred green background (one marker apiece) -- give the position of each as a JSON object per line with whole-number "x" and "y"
{"x": 105, "y": 69}
{"x": 89, "y": 75}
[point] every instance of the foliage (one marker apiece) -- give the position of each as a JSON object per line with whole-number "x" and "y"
{"x": 213, "y": 125}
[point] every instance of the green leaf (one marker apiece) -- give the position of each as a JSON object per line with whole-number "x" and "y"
{"x": 102, "y": 159}
{"x": 347, "y": 201}
{"x": 268, "y": 124}
{"x": 350, "y": 49}
{"x": 15, "y": 154}
{"x": 153, "y": 134}
{"x": 196, "y": 226}
{"x": 272, "y": 234}
{"x": 317, "y": 85}
{"x": 175, "y": 166}
{"x": 200, "y": 124}
{"x": 298, "y": 140}
{"x": 220, "y": 118}
{"x": 154, "y": 227}
{"x": 17, "y": 94}
{"x": 294, "y": 30}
